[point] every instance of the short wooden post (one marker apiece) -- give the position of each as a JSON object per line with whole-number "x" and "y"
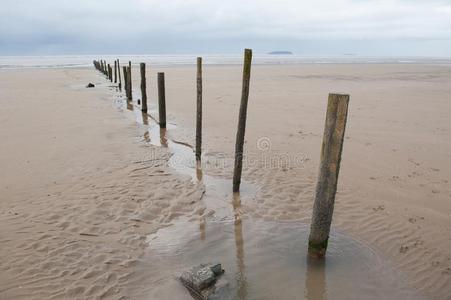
{"x": 129, "y": 80}
{"x": 101, "y": 66}
{"x": 142, "y": 67}
{"x": 242, "y": 121}
{"x": 115, "y": 71}
{"x": 124, "y": 68}
{"x": 326, "y": 187}
{"x": 199, "y": 110}
{"x": 110, "y": 73}
{"x": 104, "y": 68}
{"x": 161, "y": 100}
{"x": 119, "y": 74}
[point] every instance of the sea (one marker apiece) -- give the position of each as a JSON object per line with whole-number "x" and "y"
{"x": 80, "y": 61}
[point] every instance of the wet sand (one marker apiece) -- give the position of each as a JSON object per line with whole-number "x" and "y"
{"x": 84, "y": 186}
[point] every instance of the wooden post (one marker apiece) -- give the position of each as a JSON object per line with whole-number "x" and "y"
{"x": 110, "y": 73}
{"x": 161, "y": 100}
{"x": 326, "y": 187}
{"x": 101, "y": 66}
{"x": 242, "y": 121}
{"x": 129, "y": 80}
{"x": 142, "y": 67}
{"x": 115, "y": 71}
{"x": 104, "y": 67}
{"x": 125, "y": 80}
{"x": 199, "y": 110}
{"x": 119, "y": 74}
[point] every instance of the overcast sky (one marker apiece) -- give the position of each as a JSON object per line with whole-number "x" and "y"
{"x": 311, "y": 27}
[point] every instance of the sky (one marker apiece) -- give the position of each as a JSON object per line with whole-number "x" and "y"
{"x": 305, "y": 27}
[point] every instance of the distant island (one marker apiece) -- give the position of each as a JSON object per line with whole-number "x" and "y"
{"x": 281, "y": 52}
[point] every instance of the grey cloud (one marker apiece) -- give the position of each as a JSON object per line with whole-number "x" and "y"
{"x": 150, "y": 26}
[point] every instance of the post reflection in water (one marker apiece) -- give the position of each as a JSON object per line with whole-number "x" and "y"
{"x": 130, "y": 105}
{"x": 145, "y": 118}
{"x": 202, "y": 228}
{"x": 163, "y": 139}
{"x": 199, "y": 170}
{"x": 146, "y": 136}
{"x": 315, "y": 279}
{"x": 239, "y": 242}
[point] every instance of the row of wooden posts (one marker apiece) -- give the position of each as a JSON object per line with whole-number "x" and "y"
{"x": 332, "y": 145}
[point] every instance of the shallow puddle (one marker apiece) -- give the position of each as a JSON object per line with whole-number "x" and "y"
{"x": 266, "y": 260}
{"x": 262, "y": 260}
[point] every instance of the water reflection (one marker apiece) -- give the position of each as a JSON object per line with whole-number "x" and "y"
{"x": 202, "y": 228}
{"x": 130, "y": 105}
{"x": 199, "y": 171}
{"x": 147, "y": 137}
{"x": 239, "y": 243}
{"x": 163, "y": 139}
{"x": 145, "y": 117}
{"x": 315, "y": 279}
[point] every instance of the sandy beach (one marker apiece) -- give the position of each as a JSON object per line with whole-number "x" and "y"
{"x": 86, "y": 182}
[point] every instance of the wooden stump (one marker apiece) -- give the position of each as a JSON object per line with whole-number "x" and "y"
{"x": 119, "y": 74}
{"x": 129, "y": 80}
{"x": 115, "y": 71}
{"x": 161, "y": 100}
{"x": 142, "y": 67}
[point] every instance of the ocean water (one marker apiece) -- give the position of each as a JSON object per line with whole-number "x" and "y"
{"x": 80, "y": 61}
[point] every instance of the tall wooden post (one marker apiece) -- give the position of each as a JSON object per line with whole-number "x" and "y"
{"x": 125, "y": 80}
{"x": 199, "y": 110}
{"x": 161, "y": 100}
{"x": 242, "y": 121}
{"x": 142, "y": 67}
{"x": 115, "y": 71}
{"x": 326, "y": 187}
{"x": 119, "y": 74}
{"x": 129, "y": 80}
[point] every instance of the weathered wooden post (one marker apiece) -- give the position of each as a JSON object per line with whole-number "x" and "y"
{"x": 119, "y": 74}
{"x": 199, "y": 110}
{"x": 101, "y": 66}
{"x": 142, "y": 67}
{"x": 242, "y": 121}
{"x": 125, "y": 80}
{"x": 129, "y": 78}
{"x": 326, "y": 187}
{"x": 115, "y": 71}
{"x": 161, "y": 100}
{"x": 110, "y": 73}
